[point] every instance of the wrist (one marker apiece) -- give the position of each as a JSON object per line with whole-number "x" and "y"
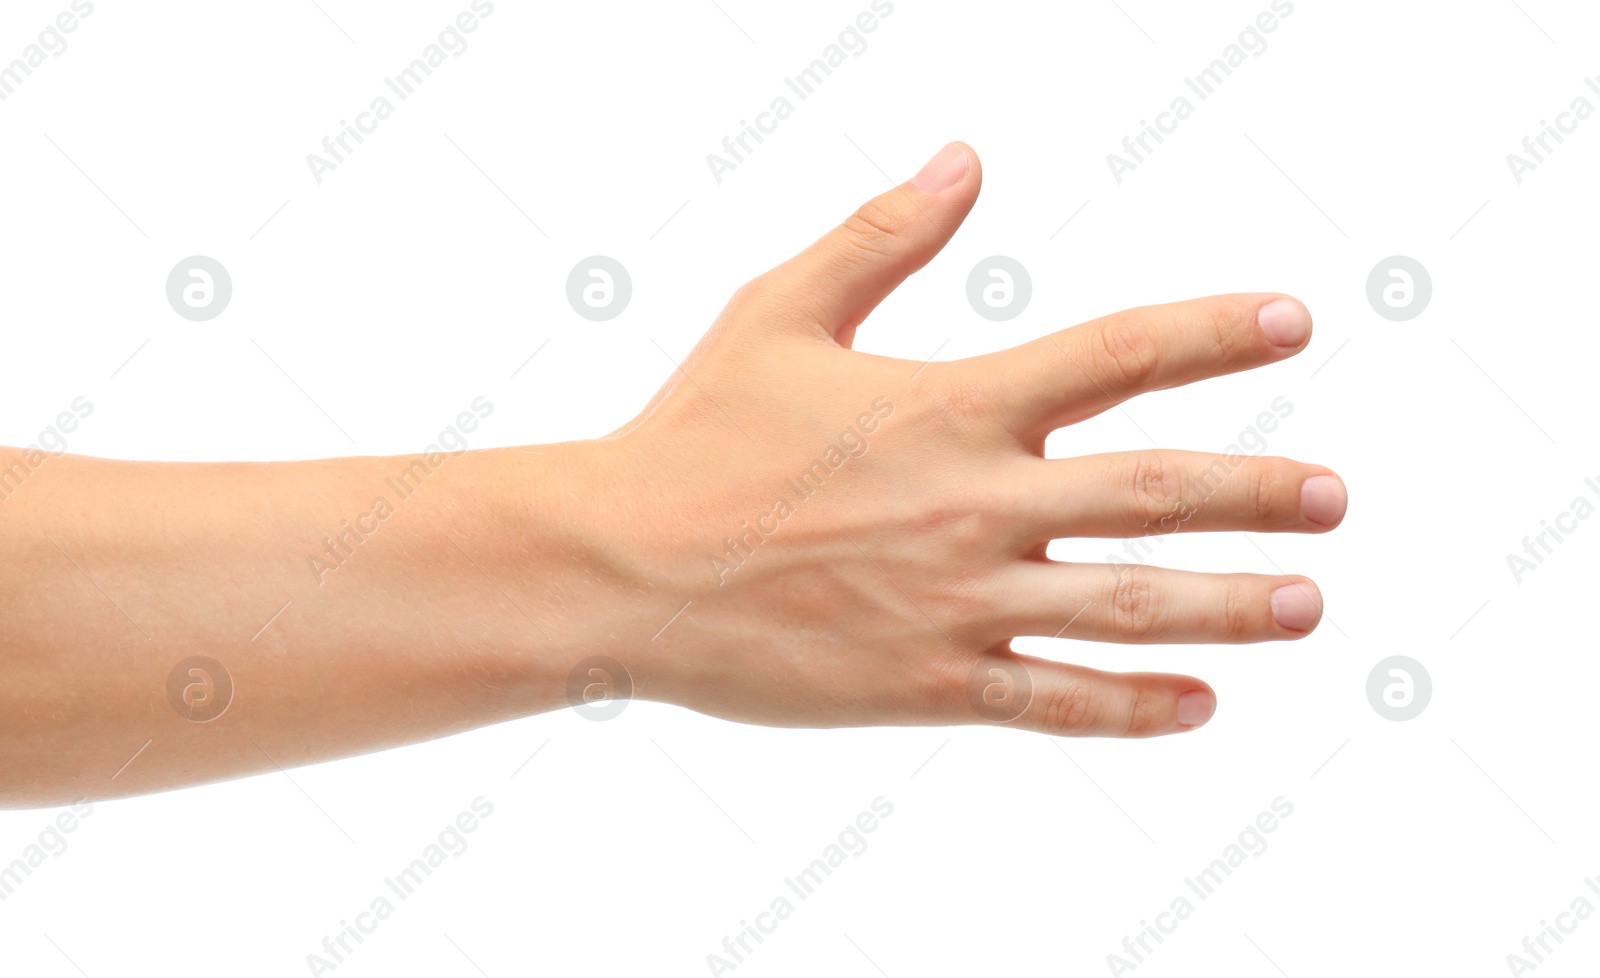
{"x": 577, "y": 533}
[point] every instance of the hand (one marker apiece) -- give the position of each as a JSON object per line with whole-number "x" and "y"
{"x": 791, "y": 533}
{"x": 854, "y": 539}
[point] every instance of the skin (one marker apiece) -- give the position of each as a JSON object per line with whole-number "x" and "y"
{"x": 888, "y": 596}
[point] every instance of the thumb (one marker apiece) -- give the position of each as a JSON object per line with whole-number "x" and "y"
{"x": 857, "y": 264}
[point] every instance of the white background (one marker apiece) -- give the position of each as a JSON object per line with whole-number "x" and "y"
{"x": 410, "y": 282}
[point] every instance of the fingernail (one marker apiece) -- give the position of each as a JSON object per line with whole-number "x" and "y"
{"x": 1285, "y": 321}
{"x": 944, "y": 171}
{"x": 1323, "y": 499}
{"x": 1296, "y": 607}
{"x": 1195, "y": 707}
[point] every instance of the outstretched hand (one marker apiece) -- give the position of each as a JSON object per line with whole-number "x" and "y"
{"x": 791, "y": 533}
{"x": 881, "y": 536}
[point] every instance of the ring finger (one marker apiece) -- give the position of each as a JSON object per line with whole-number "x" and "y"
{"x": 1136, "y": 604}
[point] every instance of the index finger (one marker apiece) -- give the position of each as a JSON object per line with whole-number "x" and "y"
{"x": 1079, "y": 372}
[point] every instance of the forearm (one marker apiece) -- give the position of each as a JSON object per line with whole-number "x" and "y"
{"x": 355, "y": 603}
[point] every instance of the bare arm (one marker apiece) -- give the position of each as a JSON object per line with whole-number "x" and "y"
{"x": 791, "y": 532}
{"x": 352, "y": 603}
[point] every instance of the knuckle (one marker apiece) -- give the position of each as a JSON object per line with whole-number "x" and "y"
{"x": 873, "y": 228}
{"x": 755, "y": 289}
{"x": 751, "y": 297}
{"x": 1155, "y": 490}
{"x": 1267, "y": 487}
{"x": 772, "y": 300}
{"x": 1068, "y": 707}
{"x": 1238, "y": 612}
{"x": 1147, "y": 713}
{"x": 1134, "y": 615}
{"x": 1125, "y": 353}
